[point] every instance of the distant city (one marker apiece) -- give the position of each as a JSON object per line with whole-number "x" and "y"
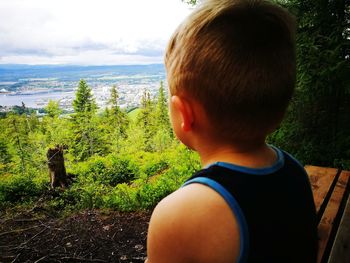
{"x": 36, "y": 85}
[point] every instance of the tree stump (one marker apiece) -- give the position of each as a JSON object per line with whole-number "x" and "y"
{"x": 57, "y": 170}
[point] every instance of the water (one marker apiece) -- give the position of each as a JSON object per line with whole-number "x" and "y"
{"x": 34, "y": 100}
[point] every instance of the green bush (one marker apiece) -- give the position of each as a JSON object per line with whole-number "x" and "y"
{"x": 19, "y": 189}
{"x": 122, "y": 170}
{"x": 153, "y": 163}
{"x": 122, "y": 198}
{"x": 125, "y": 182}
{"x": 111, "y": 170}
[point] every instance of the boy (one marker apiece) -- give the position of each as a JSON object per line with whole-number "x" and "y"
{"x": 231, "y": 74}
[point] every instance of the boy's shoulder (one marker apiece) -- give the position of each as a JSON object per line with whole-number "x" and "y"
{"x": 193, "y": 224}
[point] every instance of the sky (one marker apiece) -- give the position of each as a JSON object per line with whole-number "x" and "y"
{"x": 87, "y": 32}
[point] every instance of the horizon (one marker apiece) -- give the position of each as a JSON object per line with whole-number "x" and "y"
{"x": 78, "y": 65}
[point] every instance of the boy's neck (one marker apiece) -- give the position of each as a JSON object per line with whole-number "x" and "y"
{"x": 259, "y": 156}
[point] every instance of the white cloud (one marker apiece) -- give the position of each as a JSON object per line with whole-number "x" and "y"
{"x": 87, "y": 31}
{"x": 91, "y": 57}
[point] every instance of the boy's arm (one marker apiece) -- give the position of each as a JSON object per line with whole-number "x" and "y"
{"x": 194, "y": 224}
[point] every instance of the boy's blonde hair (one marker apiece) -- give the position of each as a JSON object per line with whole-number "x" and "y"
{"x": 237, "y": 59}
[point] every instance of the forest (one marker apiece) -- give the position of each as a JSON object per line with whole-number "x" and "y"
{"x": 129, "y": 160}
{"x": 125, "y": 161}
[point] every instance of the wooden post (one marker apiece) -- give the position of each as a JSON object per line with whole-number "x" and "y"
{"x": 57, "y": 170}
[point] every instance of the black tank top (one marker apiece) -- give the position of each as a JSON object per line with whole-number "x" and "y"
{"x": 274, "y": 208}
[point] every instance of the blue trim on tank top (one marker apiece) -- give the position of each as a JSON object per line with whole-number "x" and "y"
{"x": 236, "y": 209}
{"x": 255, "y": 171}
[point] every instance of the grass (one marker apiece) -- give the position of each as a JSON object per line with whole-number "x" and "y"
{"x": 133, "y": 114}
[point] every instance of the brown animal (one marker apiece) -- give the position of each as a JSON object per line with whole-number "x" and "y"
{"x": 57, "y": 170}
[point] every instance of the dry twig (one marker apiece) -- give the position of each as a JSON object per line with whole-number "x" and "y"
{"x": 40, "y": 259}
{"x": 83, "y": 259}
{"x": 17, "y": 230}
{"x": 13, "y": 261}
{"x": 26, "y": 242}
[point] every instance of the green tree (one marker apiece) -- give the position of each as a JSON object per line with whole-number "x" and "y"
{"x": 162, "y": 115}
{"x": 84, "y": 101}
{"x": 53, "y": 109}
{"x": 191, "y": 2}
{"x": 316, "y": 127}
{"x": 113, "y": 101}
{"x": 17, "y": 133}
{"x": 117, "y": 119}
{"x": 57, "y": 130}
{"x": 163, "y": 134}
{"x": 85, "y": 124}
{"x": 146, "y": 120}
{"x": 5, "y": 157}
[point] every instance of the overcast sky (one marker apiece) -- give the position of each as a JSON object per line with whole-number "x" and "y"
{"x": 87, "y": 32}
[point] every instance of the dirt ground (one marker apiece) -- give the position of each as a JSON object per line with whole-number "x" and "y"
{"x": 88, "y": 236}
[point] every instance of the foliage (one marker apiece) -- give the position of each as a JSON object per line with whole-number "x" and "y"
{"x": 53, "y": 109}
{"x": 153, "y": 119}
{"x": 191, "y": 2}
{"x": 115, "y": 121}
{"x": 19, "y": 188}
{"x": 84, "y": 101}
{"x": 86, "y": 138}
{"x": 110, "y": 170}
{"x": 5, "y": 157}
{"x": 162, "y": 116}
{"x": 145, "y": 120}
{"x": 316, "y": 128}
{"x": 18, "y": 139}
{"x": 114, "y": 161}
{"x": 133, "y": 114}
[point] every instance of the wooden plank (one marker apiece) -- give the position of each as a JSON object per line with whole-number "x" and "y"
{"x": 340, "y": 252}
{"x": 326, "y": 223}
{"x": 321, "y": 179}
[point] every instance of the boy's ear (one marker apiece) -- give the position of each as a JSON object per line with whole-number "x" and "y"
{"x": 184, "y": 111}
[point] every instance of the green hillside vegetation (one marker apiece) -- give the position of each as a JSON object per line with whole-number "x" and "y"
{"x": 117, "y": 160}
{"x": 133, "y": 114}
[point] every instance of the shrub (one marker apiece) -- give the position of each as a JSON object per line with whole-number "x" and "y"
{"x": 18, "y": 189}
{"x": 111, "y": 170}
{"x": 122, "y": 170}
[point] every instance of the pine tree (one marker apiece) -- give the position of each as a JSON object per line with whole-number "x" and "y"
{"x": 17, "y": 133}
{"x": 162, "y": 114}
{"x": 146, "y": 120}
{"x": 5, "y": 157}
{"x": 163, "y": 134}
{"x": 84, "y": 101}
{"x": 113, "y": 101}
{"x": 53, "y": 109}
{"x": 119, "y": 117}
{"x": 118, "y": 120}
{"x": 87, "y": 140}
